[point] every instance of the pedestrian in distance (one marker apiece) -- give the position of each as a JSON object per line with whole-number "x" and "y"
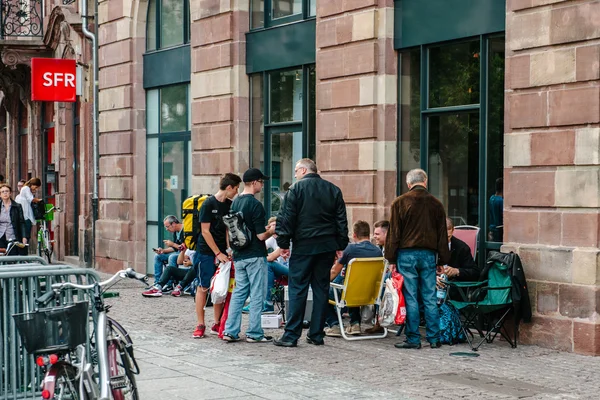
{"x": 12, "y": 224}
{"x": 417, "y": 243}
{"x": 250, "y": 262}
{"x": 313, "y": 218}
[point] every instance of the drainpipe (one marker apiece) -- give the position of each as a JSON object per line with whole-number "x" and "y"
{"x": 92, "y": 37}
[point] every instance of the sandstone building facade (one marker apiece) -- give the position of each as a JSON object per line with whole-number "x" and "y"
{"x": 471, "y": 91}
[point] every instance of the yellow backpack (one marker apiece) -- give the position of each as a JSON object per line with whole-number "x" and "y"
{"x": 190, "y": 212}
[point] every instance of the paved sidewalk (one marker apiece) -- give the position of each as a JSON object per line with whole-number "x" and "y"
{"x": 175, "y": 366}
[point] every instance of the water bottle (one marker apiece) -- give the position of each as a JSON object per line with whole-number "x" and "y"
{"x": 441, "y": 291}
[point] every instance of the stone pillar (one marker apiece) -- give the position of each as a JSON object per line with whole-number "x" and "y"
{"x": 552, "y": 178}
{"x": 356, "y": 103}
{"x": 219, "y": 91}
{"x": 121, "y": 227}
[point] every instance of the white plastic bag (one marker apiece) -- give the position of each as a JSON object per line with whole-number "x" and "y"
{"x": 219, "y": 284}
{"x": 389, "y": 304}
{"x": 367, "y": 313}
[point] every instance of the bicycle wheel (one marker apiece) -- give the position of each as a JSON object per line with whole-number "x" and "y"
{"x": 67, "y": 384}
{"x": 122, "y": 379}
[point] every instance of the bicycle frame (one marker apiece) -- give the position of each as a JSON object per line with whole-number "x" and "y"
{"x": 85, "y": 367}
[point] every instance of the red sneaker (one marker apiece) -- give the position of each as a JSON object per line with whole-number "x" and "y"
{"x": 177, "y": 291}
{"x": 153, "y": 292}
{"x": 199, "y": 332}
{"x": 214, "y": 329}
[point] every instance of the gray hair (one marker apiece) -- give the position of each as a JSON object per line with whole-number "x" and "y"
{"x": 308, "y": 164}
{"x": 416, "y": 176}
{"x": 171, "y": 219}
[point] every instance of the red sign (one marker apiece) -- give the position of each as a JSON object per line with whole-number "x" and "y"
{"x": 53, "y": 79}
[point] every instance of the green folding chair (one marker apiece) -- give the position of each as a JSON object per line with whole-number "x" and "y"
{"x": 485, "y": 305}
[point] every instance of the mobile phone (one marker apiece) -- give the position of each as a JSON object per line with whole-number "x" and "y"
{"x": 154, "y": 249}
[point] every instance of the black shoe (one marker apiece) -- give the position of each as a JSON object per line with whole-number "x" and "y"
{"x": 435, "y": 345}
{"x": 315, "y": 342}
{"x": 408, "y": 345}
{"x": 283, "y": 343}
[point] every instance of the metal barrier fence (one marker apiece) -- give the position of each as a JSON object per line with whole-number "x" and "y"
{"x": 20, "y": 285}
{"x": 22, "y": 260}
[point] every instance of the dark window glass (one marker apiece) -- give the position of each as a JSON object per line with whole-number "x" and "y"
{"x": 257, "y": 13}
{"x": 410, "y": 109}
{"x": 454, "y": 164}
{"x": 285, "y": 8}
{"x": 173, "y": 109}
{"x": 257, "y": 131}
{"x": 454, "y": 74}
{"x": 312, "y": 112}
{"x": 286, "y": 149}
{"x": 495, "y": 140}
{"x": 286, "y": 96}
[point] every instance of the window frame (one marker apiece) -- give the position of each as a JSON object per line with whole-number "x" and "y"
{"x": 274, "y": 128}
{"x": 158, "y": 12}
{"x": 269, "y": 22}
{"x": 482, "y": 107}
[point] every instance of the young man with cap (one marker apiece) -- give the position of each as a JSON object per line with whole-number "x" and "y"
{"x": 250, "y": 263}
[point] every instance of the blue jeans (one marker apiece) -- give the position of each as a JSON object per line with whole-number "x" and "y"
{"x": 250, "y": 280}
{"x": 275, "y": 270}
{"x": 418, "y": 269}
{"x": 159, "y": 261}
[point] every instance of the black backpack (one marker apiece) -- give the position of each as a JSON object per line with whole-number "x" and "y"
{"x": 39, "y": 209}
{"x": 240, "y": 236}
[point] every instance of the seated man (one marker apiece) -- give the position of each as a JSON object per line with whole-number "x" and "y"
{"x": 361, "y": 248}
{"x": 168, "y": 254}
{"x": 461, "y": 266}
{"x": 184, "y": 275}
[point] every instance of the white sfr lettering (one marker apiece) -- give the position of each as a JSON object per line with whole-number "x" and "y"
{"x": 53, "y": 79}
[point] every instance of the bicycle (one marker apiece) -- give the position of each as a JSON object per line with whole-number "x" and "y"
{"x": 11, "y": 245}
{"x": 44, "y": 246}
{"x": 57, "y": 336}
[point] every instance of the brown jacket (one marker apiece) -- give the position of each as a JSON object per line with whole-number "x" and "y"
{"x": 418, "y": 221}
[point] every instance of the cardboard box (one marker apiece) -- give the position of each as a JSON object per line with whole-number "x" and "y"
{"x": 307, "y": 309}
{"x": 271, "y": 321}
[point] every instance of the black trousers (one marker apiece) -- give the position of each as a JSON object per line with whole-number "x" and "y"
{"x": 308, "y": 270}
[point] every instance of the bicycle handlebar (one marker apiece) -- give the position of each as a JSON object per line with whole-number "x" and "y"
{"x": 57, "y": 287}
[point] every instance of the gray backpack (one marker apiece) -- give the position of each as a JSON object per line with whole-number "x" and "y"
{"x": 240, "y": 235}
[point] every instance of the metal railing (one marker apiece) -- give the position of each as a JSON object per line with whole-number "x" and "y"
{"x": 11, "y": 260}
{"x": 21, "y": 18}
{"x": 20, "y": 285}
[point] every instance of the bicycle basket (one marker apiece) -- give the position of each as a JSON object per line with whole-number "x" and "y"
{"x": 39, "y": 210}
{"x": 53, "y": 329}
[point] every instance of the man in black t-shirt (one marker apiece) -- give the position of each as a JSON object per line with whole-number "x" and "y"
{"x": 250, "y": 263}
{"x": 211, "y": 246}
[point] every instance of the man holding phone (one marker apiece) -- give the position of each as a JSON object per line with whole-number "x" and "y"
{"x": 168, "y": 254}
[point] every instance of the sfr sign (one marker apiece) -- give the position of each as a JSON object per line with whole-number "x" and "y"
{"x": 53, "y": 79}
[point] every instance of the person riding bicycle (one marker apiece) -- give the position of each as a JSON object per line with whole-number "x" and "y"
{"x": 12, "y": 224}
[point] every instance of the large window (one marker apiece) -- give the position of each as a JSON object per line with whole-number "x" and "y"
{"x": 287, "y": 132}
{"x": 266, "y": 13}
{"x": 452, "y": 113}
{"x": 168, "y": 158}
{"x": 168, "y": 24}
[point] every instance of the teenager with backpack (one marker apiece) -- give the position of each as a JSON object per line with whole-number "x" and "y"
{"x": 250, "y": 260}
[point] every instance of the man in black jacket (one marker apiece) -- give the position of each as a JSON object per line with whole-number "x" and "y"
{"x": 461, "y": 266}
{"x": 313, "y": 218}
{"x": 12, "y": 223}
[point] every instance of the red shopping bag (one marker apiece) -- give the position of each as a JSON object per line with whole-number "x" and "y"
{"x": 398, "y": 282}
{"x": 225, "y": 311}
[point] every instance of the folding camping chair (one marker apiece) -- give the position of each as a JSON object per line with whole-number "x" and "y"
{"x": 468, "y": 234}
{"x": 362, "y": 287}
{"x": 486, "y": 305}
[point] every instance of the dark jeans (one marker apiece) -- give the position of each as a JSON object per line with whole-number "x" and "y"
{"x": 308, "y": 270}
{"x": 275, "y": 270}
{"x": 27, "y": 234}
{"x": 184, "y": 275}
{"x": 332, "y": 319}
{"x": 4, "y": 244}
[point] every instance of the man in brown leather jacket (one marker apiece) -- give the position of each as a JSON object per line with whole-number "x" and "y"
{"x": 417, "y": 243}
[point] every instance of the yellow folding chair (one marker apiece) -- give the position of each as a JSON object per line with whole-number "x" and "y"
{"x": 362, "y": 287}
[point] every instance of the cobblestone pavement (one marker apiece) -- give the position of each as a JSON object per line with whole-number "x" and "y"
{"x": 175, "y": 366}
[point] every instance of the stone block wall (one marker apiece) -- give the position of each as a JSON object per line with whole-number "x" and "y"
{"x": 552, "y": 174}
{"x": 121, "y": 226}
{"x": 356, "y": 89}
{"x": 219, "y": 91}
